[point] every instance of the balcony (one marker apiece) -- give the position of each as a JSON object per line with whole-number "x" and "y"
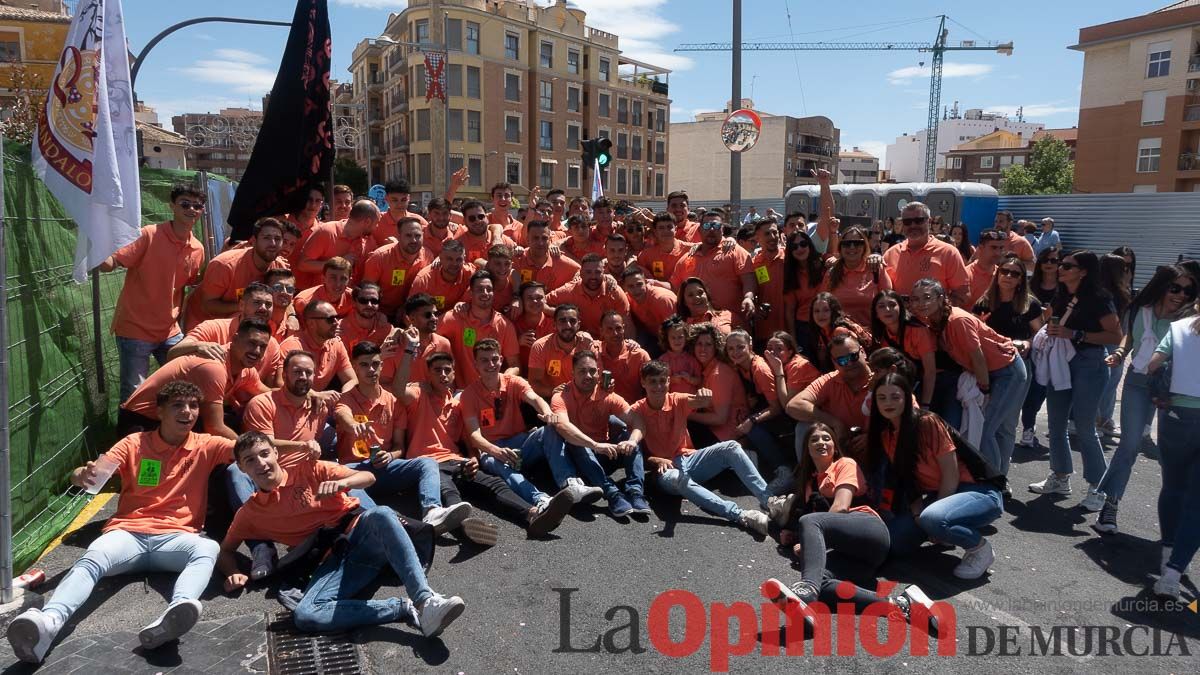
{"x": 1189, "y": 161}
{"x": 1194, "y": 64}
{"x": 375, "y": 81}
{"x": 822, "y": 150}
{"x": 1191, "y": 112}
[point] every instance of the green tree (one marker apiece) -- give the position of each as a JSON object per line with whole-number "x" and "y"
{"x": 1050, "y": 171}
{"x": 347, "y": 172}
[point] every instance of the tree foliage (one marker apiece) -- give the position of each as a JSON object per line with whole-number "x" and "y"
{"x": 18, "y": 123}
{"x": 347, "y": 172}
{"x": 1050, "y": 171}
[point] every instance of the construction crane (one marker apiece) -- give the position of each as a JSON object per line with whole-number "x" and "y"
{"x": 937, "y": 48}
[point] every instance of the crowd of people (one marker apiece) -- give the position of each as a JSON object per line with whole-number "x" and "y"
{"x": 864, "y": 384}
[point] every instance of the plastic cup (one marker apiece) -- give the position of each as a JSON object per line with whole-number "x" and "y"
{"x": 104, "y": 468}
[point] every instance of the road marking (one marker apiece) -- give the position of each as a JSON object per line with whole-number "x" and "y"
{"x": 98, "y": 502}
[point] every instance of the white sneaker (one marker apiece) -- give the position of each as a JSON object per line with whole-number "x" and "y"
{"x": 778, "y": 507}
{"x": 438, "y": 612}
{"x": 976, "y": 561}
{"x": 755, "y": 521}
{"x": 177, "y": 620}
{"x": 445, "y": 518}
{"x": 1167, "y": 585}
{"x": 1094, "y": 501}
{"x": 31, "y": 633}
{"x": 581, "y": 493}
{"x": 1053, "y": 485}
{"x": 1028, "y": 439}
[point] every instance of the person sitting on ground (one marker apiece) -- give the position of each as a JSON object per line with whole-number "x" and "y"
{"x": 827, "y": 321}
{"x": 422, "y": 313}
{"x": 793, "y": 373}
{"x": 649, "y": 305}
{"x": 533, "y": 322}
{"x": 835, "y": 399}
{"x": 676, "y": 466}
{"x": 764, "y": 421}
{"x": 596, "y": 427}
{"x": 160, "y": 512}
{"x": 292, "y": 504}
{"x": 550, "y": 356}
{"x": 620, "y": 357}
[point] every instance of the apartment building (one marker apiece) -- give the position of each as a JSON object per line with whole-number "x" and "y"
{"x": 1139, "y": 105}
{"x": 525, "y": 83}
{"x": 219, "y": 142}
{"x": 857, "y": 166}
{"x": 984, "y": 159}
{"x": 31, "y": 38}
{"x": 906, "y": 157}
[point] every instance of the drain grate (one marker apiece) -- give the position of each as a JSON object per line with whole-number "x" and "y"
{"x": 292, "y": 652}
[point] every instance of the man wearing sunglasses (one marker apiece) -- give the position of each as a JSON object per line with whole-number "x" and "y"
{"x": 210, "y": 338}
{"x": 1048, "y": 238}
{"x": 318, "y": 337}
{"x": 921, "y": 256}
{"x": 479, "y": 236}
{"x": 349, "y": 239}
{"x": 837, "y": 398}
{"x": 283, "y": 292}
{"x": 366, "y": 322}
{"x": 725, "y": 270}
{"x": 983, "y": 268}
{"x": 160, "y": 262}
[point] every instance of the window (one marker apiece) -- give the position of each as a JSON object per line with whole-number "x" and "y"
{"x": 1158, "y": 59}
{"x": 546, "y": 175}
{"x": 423, "y": 125}
{"x": 1005, "y": 160}
{"x": 573, "y": 61}
{"x": 573, "y": 99}
{"x": 546, "y": 95}
{"x": 454, "y": 79}
{"x": 603, "y": 133}
{"x": 454, "y": 125}
{"x": 635, "y": 181}
{"x": 419, "y": 79}
{"x": 602, "y": 105}
{"x": 637, "y": 114}
{"x": 473, "y": 82}
{"x": 512, "y": 170}
{"x": 660, "y": 152}
{"x": 512, "y": 46}
{"x": 1149, "y": 151}
{"x": 512, "y": 129}
{"x": 456, "y": 163}
{"x": 472, "y": 43}
{"x": 572, "y": 136}
{"x": 605, "y": 65}
{"x": 1019, "y": 159}
{"x": 636, "y": 148}
{"x": 987, "y": 162}
{"x": 424, "y": 170}
{"x": 454, "y": 37}
{"x": 622, "y": 181}
{"x": 623, "y": 111}
{"x": 422, "y": 33}
{"x": 474, "y": 127}
{"x": 1145, "y": 188}
{"x": 512, "y": 87}
{"x": 573, "y": 176}
{"x": 956, "y": 162}
{"x": 985, "y": 181}
{"x": 660, "y": 184}
{"x": 10, "y": 48}
{"x": 1154, "y": 107}
{"x": 546, "y": 55}
{"x": 546, "y": 135}
{"x": 622, "y": 146}
{"x": 475, "y": 168}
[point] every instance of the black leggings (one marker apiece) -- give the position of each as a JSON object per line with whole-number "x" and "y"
{"x": 859, "y": 539}
{"x": 490, "y": 486}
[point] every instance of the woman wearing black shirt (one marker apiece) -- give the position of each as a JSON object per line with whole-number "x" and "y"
{"x": 1084, "y": 314}
{"x": 1045, "y": 275}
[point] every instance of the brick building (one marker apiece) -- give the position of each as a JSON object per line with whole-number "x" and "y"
{"x": 984, "y": 159}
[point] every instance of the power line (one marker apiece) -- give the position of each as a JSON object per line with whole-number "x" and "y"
{"x": 795, "y": 59}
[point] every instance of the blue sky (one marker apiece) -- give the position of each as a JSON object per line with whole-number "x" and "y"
{"x": 871, "y": 96}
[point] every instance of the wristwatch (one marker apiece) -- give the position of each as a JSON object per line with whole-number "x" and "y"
{"x": 1078, "y": 336}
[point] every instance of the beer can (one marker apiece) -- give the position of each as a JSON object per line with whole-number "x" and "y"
{"x": 31, "y": 579}
{"x": 606, "y": 379}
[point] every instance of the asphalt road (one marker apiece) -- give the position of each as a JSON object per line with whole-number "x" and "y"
{"x": 1052, "y": 573}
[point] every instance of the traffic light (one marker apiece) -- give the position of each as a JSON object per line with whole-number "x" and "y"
{"x": 596, "y": 150}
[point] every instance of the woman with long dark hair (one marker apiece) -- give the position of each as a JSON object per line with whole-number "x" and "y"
{"x": 694, "y": 306}
{"x": 792, "y": 371}
{"x": 892, "y": 325}
{"x": 803, "y": 271}
{"x": 729, "y": 407}
{"x": 962, "y": 242}
{"x": 1116, "y": 277}
{"x": 851, "y": 280}
{"x": 1083, "y": 315}
{"x": 1165, "y": 298}
{"x": 827, "y": 321}
{"x": 929, "y": 483}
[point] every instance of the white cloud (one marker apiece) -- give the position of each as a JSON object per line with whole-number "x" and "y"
{"x": 907, "y": 75}
{"x": 227, "y": 54}
{"x": 243, "y": 72}
{"x": 1033, "y": 111}
{"x": 204, "y": 36}
{"x": 640, "y": 25}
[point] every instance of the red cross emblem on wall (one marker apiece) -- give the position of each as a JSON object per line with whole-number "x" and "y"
{"x": 435, "y": 75}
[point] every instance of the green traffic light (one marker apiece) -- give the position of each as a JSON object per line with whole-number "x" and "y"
{"x": 602, "y": 160}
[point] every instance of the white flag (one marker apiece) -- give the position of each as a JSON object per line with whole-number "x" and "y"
{"x": 86, "y": 146}
{"x": 597, "y": 185}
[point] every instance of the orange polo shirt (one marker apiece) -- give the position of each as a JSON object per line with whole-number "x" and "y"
{"x": 934, "y": 441}
{"x": 1019, "y": 245}
{"x": 722, "y": 319}
{"x": 727, "y": 388}
{"x": 417, "y": 370}
{"x": 936, "y": 259}
{"x": 830, "y": 394}
{"x": 331, "y": 357}
{"x": 389, "y": 226}
{"x": 477, "y": 245}
{"x": 225, "y": 278}
{"x": 547, "y": 355}
{"x": 544, "y": 327}
{"x": 464, "y": 331}
{"x": 843, "y": 472}
{"x": 626, "y": 368}
{"x": 761, "y": 379}
{"x": 513, "y": 228}
{"x": 980, "y": 280}
{"x": 383, "y": 413}
{"x": 667, "y": 434}
{"x": 576, "y": 251}
{"x": 556, "y": 271}
{"x": 343, "y": 305}
{"x": 394, "y": 271}
{"x": 769, "y": 273}
{"x": 964, "y": 332}
{"x": 688, "y": 231}
{"x": 721, "y": 273}
{"x": 589, "y": 412}
{"x": 655, "y": 307}
{"x": 217, "y": 381}
{"x": 158, "y": 265}
{"x": 497, "y": 412}
{"x": 432, "y": 245}
{"x": 857, "y": 289}
{"x": 222, "y": 332}
{"x": 291, "y": 512}
{"x": 164, "y": 488}
{"x": 660, "y": 263}
{"x": 434, "y": 425}
{"x": 352, "y": 333}
{"x": 326, "y": 241}
{"x": 591, "y": 308}
{"x": 803, "y": 295}
{"x": 275, "y": 415}
{"x": 446, "y": 294}
{"x": 800, "y": 373}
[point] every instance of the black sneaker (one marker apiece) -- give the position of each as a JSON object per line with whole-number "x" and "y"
{"x": 788, "y": 600}
{"x": 1106, "y": 522}
{"x": 550, "y": 513}
{"x": 639, "y": 504}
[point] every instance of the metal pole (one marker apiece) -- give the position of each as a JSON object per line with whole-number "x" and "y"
{"x": 97, "y": 334}
{"x": 6, "y": 559}
{"x": 367, "y": 120}
{"x": 735, "y": 158}
{"x": 141, "y": 57}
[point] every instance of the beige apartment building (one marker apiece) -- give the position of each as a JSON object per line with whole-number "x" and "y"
{"x": 787, "y": 150}
{"x": 1139, "y": 105}
{"x": 857, "y": 166}
{"x": 219, "y": 142}
{"x": 525, "y": 84}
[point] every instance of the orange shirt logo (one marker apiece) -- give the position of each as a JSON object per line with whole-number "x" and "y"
{"x": 762, "y": 274}
{"x": 440, "y": 300}
{"x": 554, "y": 368}
{"x": 239, "y": 293}
{"x": 658, "y": 269}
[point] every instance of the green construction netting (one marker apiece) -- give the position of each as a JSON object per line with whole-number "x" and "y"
{"x": 60, "y": 415}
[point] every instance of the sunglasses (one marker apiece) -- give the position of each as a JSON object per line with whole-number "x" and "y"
{"x": 1067, "y": 266}
{"x": 1051, "y": 261}
{"x": 853, "y": 243}
{"x": 368, "y": 301}
{"x": 280, "y": 288}
{"x": 1187, "y": 291}
{"x": 479, "y": 216}
{"x": 914, "y": 221}
{"x": 711, "y": 225}
{"x": 191, "y": 206}
{"x": 1012, "y": 274}
{"x": 847, "y": 359}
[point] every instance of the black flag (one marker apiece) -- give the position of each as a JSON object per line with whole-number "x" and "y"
{"x": 294, "y": 149}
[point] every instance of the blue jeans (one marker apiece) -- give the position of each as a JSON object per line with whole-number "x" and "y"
{"x": 377, "y": 540}
{"x": 1179, "y": 500}
{"x": 405, "y": 474}
{"x": 121, "y": 552}
{"x": 1089, "y": 374}
{"x": 1000, "y": 416}
{"x": 690, "y": 471}
{"x": 764, "y": 442}
{"x": 135, "y": 356}
{"x": 956, "y": 519}
{"x": 595, "y": 470}
{"x": 1108, "y": 402}
{"x": 1137, "y": 410}
{"x": 541, "y": 443}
